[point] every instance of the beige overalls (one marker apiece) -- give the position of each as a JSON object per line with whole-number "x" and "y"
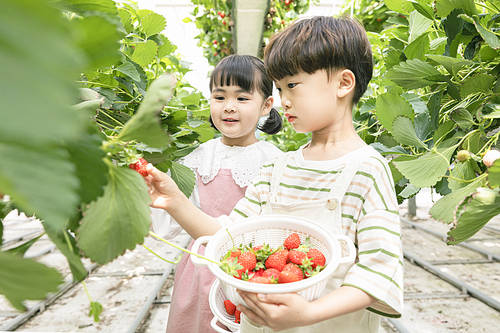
{"x": 326, "y": 212}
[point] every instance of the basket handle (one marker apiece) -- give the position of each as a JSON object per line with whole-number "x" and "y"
{"x": 351, "y": 250}
{"x": 219, "y": 329}
{"x": 195, "y": 248}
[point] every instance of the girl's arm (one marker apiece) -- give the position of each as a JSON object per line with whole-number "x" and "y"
{"x": 282, "y": 311}
{"x": 166, "y": 195}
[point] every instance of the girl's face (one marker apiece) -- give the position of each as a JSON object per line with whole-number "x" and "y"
{"x": 235, "y": 113}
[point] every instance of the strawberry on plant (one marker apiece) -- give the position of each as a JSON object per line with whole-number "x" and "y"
{"x": 140, "y": 166}
{"x": 292, "y": 241}
{"x": 317, "y": 258}
{"x": 230, "y": 307}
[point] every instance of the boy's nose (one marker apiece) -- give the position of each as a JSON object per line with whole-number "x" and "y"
{"x": 285, "y": 103}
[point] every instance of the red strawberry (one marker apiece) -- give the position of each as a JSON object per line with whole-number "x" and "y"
{"x": 259, "y": 272}
{"x": 291, "y": 273}
{"x": 140, "y": 166}
{"x": 317, "y": 258}
{"x": 261, "y": 279}
{"x": 235, "y": 253}
{"x": 296, "y": 257}
{"x": 230, "y": 307}
{"x": 248, "y": 261}
{"x": 237, "y": 315}
{"x": 292, "y": 241}
{"x": 271, "y": 272}
{"x": 277, "y": 260}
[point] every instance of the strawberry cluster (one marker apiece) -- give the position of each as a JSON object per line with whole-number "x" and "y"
{"x": 291, "y": 262}
{"x": 232, "y": 311}
{"x": 140, "y": 166}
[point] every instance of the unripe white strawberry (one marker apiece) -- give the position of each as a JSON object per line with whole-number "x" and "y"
{"x": 490, "y": 157}
{"x": 485, "y": 195}
{"x": 463, "y": 155}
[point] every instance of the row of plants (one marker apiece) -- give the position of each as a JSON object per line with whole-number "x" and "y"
{"x": 433, "y": 104}
{"x": 100, "y": 88}
{"x": 214, "y": 19}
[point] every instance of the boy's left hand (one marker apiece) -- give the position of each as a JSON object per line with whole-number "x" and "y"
{"x": 277, "y": 311}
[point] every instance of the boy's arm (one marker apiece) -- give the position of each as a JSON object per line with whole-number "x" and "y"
{"x": 166, "y": 195}
{"x": 282, "y": 311}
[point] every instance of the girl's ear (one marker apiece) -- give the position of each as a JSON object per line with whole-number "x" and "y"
{"x": 267, "y": 106}
{"x": 346, "y": 83}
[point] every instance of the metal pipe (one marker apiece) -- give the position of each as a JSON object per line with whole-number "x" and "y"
{"x": 396, "y": 323}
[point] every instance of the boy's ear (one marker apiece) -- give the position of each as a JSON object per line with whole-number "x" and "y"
{"x": 268, "y": 105}
{"x": 347, "y": 82}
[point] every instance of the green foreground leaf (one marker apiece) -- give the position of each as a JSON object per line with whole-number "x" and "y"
{"x": 183, "y": 177}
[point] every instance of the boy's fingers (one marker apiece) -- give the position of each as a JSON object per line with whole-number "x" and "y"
{"x": 274, "y": 298}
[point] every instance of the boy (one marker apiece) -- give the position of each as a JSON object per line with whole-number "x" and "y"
{"x": 321, "y": 67}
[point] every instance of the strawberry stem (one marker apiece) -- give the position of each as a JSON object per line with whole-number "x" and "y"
{"x": 156, "y": 254}
{"x": 183, "y": 249}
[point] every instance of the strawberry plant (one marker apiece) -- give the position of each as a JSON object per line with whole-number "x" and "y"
{"x": 433, "y": 105}
{"x": 100, "y": 89}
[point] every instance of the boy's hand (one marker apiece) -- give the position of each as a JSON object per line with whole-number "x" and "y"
{"x": 277, "y": 311}
{"x": 161, "y": 187}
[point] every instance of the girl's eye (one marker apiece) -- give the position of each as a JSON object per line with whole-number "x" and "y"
{"x": 291, "y": 85}
{"x": 219, "y": 98}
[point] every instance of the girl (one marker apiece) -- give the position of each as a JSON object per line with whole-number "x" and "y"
{"x": 321, "y": 67}
{"x": 241, "y": 93}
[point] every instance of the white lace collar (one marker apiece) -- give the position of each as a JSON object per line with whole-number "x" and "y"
{"x": 244, "y": 162}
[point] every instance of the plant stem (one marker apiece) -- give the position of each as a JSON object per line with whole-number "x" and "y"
{"x": 183, "y": 249}
{"x": 156, "y": 254}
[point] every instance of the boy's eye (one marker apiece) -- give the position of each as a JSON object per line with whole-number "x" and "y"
{"x": 242, "y": 99}
{"x": 291, "y": 85}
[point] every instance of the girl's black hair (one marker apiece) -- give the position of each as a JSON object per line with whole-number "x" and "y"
{"x": 247, "y": 72}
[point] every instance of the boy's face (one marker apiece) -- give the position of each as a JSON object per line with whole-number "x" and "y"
{"x": 309, "y": 100}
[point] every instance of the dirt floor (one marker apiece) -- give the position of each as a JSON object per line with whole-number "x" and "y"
{"x": 124, "y": 285}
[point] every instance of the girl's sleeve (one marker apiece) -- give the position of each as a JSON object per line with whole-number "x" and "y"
{"x": 378, "y": 270}
{"x": 164, "y": 225}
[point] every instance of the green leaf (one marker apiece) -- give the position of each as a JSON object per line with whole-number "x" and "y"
{"x": 95, "y": 310}
{"x": 41, "y": 181}
{"x": 443, "y": 130}
{"x": 427, "y": 169}
{"x": 183, "y": 177}
{"x": 66, "y": 243}
{"x": 86, "y": 7}
{"x": 144, "y": 126}
{"x": 464, "y": 171}
{"x": 490, "y": 37}
{"x": 152, "y": 23}
{"x": 166, "y": 47}
{"x": 23, "y": 279}
{"x": 145, "y": 53}
{"x": 444, "y": 7}
{"x": 389, "y": 106}
{"x": 472, "y": 215}
{"x": 99, "y": 39}
{"x": 452, "y": 65}
{"x": 404, "y": 132}
{"x": 481, "y": 82}
{"x": 444, "y": 209}
{"x": 409, "y": 191}
{"x": 87, "y": 156}
{"x": 118, "y": 220}
{"x": 423, "y": 8}
{"x": 38, "y": 73}
{"x": 129, "y": 70}
{"x": 418, "y": 48}
{"x": 205, "y": 132}
{"x": 20, "y": 250}
{"x": 419, "y": 24}
{"x": 414, "y": 73}
{"x": 462, "y": 118}
{"x": 400, "y": 6}
{"x": 494, "y": 174}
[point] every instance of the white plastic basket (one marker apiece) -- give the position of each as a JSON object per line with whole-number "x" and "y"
{"x": 216, "y": 299}
{"x": 273, "y": 230}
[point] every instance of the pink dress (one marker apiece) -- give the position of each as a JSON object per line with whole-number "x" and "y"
{"x": 189, "y": 309}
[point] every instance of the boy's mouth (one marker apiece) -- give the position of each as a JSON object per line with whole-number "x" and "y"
{"x": 290, "y": 118}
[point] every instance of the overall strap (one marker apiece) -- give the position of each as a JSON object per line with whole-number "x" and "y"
{"x": 344, "y": 179}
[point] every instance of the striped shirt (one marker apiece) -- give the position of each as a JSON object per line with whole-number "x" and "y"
{"x": 369, "y": 217}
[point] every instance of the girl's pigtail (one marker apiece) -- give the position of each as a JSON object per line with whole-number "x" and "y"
{"x": 273, "y": 123}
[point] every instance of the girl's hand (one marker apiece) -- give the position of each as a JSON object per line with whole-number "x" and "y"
{"x": 161, "y": 187}
{"x": 277, "y": 311}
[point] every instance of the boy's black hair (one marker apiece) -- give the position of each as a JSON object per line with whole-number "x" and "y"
{"x": 321, "y": 42}
{"x": 249, "y": 73}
